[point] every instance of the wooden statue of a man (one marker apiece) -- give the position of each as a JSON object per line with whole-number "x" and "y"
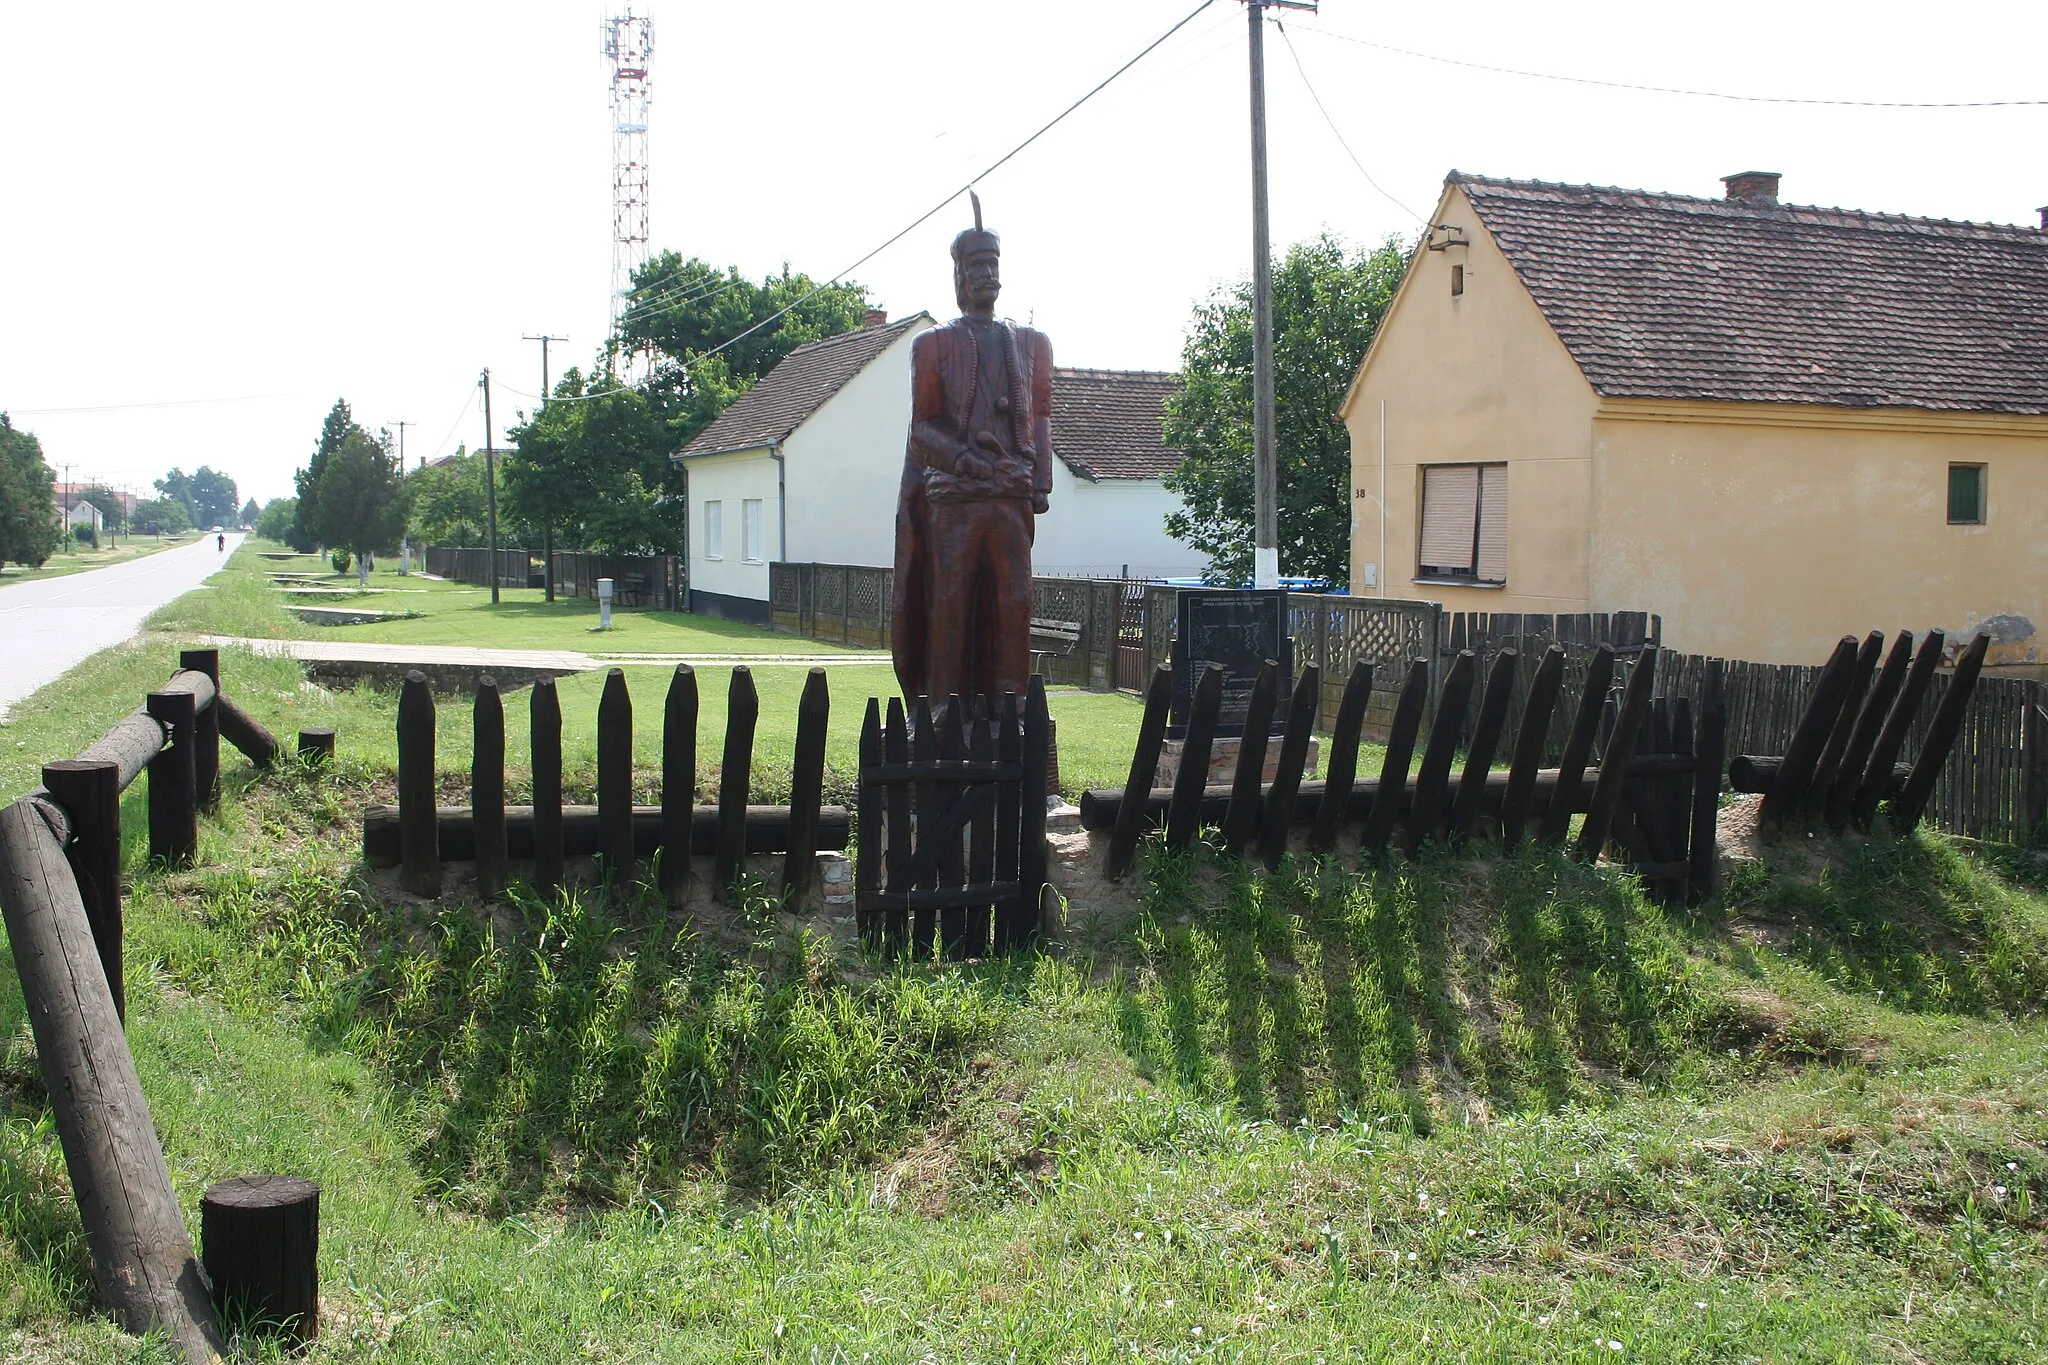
{"x": 977, "y": 472}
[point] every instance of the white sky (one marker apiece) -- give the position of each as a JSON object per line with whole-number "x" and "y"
{"x": 376, "y": 200}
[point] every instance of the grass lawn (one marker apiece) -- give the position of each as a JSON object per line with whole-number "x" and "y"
{"x": 245, "y": 603}
{"x": 77, "y": 558}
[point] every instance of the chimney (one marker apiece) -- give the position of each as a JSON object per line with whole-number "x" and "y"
{"x": 875, "y": 317}
{"x": 2043, "y": 211}
{"x": 1752, "y": 187}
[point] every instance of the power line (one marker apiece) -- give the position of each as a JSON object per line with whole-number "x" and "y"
{"x": 1302, "y": 71}
{"x": 1671, "y": 89}
{"x": 934, "y": 210}
{"x": 469, "y": 400}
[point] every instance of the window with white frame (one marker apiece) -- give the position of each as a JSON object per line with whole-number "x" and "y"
{"x": 1464, "y": 523}
{"x": 714, "y": 530}
{"x": 750, "y": 531}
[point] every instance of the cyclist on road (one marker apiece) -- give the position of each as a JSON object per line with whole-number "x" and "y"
{"x": 220, "y": 544}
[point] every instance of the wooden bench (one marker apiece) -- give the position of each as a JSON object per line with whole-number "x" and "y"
{"x": 1052, "y": 639}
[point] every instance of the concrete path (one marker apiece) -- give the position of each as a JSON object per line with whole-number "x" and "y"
{"x": 49, "y": 624}
{"x": 549, "y": 660}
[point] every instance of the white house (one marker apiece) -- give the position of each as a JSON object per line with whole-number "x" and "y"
{"x": 806, "y": 465}
{"x": 85, "y": 514}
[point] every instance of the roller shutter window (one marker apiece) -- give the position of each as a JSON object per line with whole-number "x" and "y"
{"x": 1450, "y": 513}
{"x": 1493, "y": 523}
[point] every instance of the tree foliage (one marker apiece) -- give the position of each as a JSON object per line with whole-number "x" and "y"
{"x": 360, "y": 504}
{"x": 113, "y": 511}
{"x": 1327, "y": 303}
{"x": 333, "y": 431}
{"x": 595, "y": 470}
{"x": 162, "y": 516}
{"x": 277, "y": 518}
{"x": 29, "y": 532}
{"x": 250, "y": 511}
{"x": 208, "y": 496}
{"x": 449, "y": 501}
{"x": 683, "y": 308}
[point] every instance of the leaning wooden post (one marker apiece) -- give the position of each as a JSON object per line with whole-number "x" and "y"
{"x": 1031, "y": 834}
{"x": 867, "y": 806}
{"x": 1493, "y": 718}
{"x": 487, "y": 788}
{"x": 240, "y": 729}
{"x": 615, "y": 779}
{"x": 1816, "y": 723}
{"x": 544, "y": 721}
{"x": 1241, "y": 816}
{"x": 1184, "y": 811}
{"x": 1432, "y": 779}
{"x": 1621, "y": 751}
{"x": 1301, "y": 725}
{"x": 205, "y": 729}
{"x": 1898, "y": 724}
{"x": 90, "y": 793}
{"x": 1869, "y": 720}
{"x": 142, "y": 1255}
{"x": 1393, "y": 784}
{"x": 1571, "y": 769}
{"x": 1822, "y": 789}
{"x": 1130, "y": 817}
{"x": 678, "y": 779}
{"x": 1710, "y": 761}
{"x": 806, "y": 786}
{"x": 260, "y": 1236}
{"x": 742, "y": 710}
{"x": 1530, "y": 741}
{"x": 419, "y": 821}
{"x": 1911, "y": 804}
{"x": 316, "y": 747}
{"x": 1341, "y": 769}
{"x": 173, "y": 800}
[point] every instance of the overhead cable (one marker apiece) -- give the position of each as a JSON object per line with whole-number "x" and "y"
{"x": 1384, "y": 193}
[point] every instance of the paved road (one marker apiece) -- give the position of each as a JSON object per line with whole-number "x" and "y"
{"x": 50, "y": 624}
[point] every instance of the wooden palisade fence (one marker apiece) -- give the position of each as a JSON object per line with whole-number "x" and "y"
{"x": 1650, "y": 798}
{"x": 1845, "y": 756}
{"x": 418, "y": 837}
{"x": 60, "y": 890}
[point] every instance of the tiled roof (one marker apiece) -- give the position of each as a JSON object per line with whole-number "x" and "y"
{"x": 1665, "y": 296}
{"x": 784, "y": 398}
{"x": 1105, "y": 423}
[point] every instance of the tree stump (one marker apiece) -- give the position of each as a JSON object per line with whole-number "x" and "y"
{"x": 316, "y": 747}
{"x": 260, "y": 1240}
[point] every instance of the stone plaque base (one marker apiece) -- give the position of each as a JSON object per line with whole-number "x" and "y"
{"x": 1223, "y": 760}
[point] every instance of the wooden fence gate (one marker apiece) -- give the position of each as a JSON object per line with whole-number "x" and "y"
{"x": 953, "y": 799}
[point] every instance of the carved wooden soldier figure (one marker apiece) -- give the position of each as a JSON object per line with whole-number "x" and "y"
{"x": 976, "y": 474}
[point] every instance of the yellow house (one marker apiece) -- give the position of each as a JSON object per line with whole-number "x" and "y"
{"x": 1773, "y": 425}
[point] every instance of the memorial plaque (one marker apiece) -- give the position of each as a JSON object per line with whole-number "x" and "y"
{"x": 1239, "y": 630}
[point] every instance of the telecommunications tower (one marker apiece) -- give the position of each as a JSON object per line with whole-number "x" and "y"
{"x": 628, "y": 45}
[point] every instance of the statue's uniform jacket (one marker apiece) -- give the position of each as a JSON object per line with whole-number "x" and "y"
{"x": 961, "y": 614}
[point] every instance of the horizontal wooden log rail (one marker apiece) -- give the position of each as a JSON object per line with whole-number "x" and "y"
{"x": 1754, "y": 774}
{"x": 767, "y": 831}
{"x": 1101, "y": 807}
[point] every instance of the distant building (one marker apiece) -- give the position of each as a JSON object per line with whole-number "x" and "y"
{"x": 806, "y": 467}
{"x": 85, "y": 514}
{"x": 1774, "y": 425}
{"x": 67, "y": 494}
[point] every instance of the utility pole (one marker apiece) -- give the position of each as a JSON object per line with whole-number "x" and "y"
{"x": 547, "y": 533}
{"x": 1265, "y": 465}
{"x": 490, "y": 484}
{"x": 401, "y": 445}
{"x": 65, "y": 502}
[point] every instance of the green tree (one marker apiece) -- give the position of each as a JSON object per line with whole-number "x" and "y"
{"x": 683, "y": 308}
{"x": 1327, "y": 303}
{"x": 595, "y": 471}
{"x": 162, "y": 516}
{"x": 333, "y": 432}
{"x": 113, "y": 511}
{"x": 361, "y": 497}
{"x": 448, "y": 501}
{"x": 29, "y": 531}
{"x": 250, "y": 511}
{"x": 208, "y": 495}
{"x": 277, "y": 518}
